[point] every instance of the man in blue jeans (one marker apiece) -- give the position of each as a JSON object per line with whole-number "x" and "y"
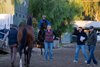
{"x": 91, "y": 42}
{"x": 81, "y": 38}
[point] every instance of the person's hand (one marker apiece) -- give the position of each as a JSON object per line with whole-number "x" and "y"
{"x": 77, "y": 28}
{"x": 81, "y": 40}
{"x": 38, "y": 30}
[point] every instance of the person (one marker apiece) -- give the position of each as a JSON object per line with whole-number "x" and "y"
{"x": 91, "y": 42}
{"x": 48, "y": 43}
{"x": 43, "y": 20}
{"x": 81, "y": 39}
{"x": 12, "y": 41}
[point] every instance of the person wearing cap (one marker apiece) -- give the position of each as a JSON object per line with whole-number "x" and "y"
{"x": 81, "y": 39}
{"x": 43, "y": 20}
{"x": 91, "y": 42}
{"x": 48, "y": 43}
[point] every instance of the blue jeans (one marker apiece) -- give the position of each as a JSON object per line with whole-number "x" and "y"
{"x": 91, "y": 57}
{"x": 78, "y": 47}
{"x": 48, "y": 47}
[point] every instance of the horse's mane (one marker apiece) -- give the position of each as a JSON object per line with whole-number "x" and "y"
{"x": 22, "y": 24}
{"x": 29, "y": 21}
{"x": 44, "y": 25}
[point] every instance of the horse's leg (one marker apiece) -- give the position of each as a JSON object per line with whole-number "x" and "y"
{"x": 25, "y": 56}
{"x": 29, "y": 55}
{"x": 41, "y": 51}
{"x": 42, "y": 46}
{"x": 20, "y": 53}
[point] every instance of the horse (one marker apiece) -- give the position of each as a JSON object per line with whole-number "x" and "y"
{"x": 41, "y": 36}
{"x": 25, "y": 42}
{"x": 40, "y": 41}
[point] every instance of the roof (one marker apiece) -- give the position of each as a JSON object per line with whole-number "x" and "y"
{"x": 87, "y": 24}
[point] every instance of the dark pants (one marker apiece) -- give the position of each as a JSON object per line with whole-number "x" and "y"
{"x": 13, "y": 53}
{"x": 91, "y": 57}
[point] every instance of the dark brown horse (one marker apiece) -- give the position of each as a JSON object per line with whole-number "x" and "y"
{"x": 40, "y": 41}
{"x": 25, "y": 41}
{"x": 41, "y": 36}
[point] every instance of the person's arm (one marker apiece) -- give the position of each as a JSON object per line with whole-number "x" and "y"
{"x": 49, "y": 23}
{"x": 54, "y": 35}
{"x": 95, "y": 37}
{"x": 85, "y": 35}
{"x": 75, "y": 31}
{"x": 39, "y": 25}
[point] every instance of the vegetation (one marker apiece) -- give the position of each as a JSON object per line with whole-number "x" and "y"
{"x": 57, "y": 11}
{"x": 62, "y": 12}
{"x": 91, "y": 10}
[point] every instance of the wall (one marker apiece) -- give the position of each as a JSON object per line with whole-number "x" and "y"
{"x": 6, "y": 19}
{"x": 21, "y": 11}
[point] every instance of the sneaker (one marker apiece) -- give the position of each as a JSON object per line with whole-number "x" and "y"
{"x": 75, "y": 61}
{"x": 85, "y": 61}
{"x": 88, "y": 64}
{"x": 95, "y": 65}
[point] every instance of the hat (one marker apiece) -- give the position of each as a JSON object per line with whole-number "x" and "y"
{"x": 44, "y": 16}
{"x": 91, "y": 27}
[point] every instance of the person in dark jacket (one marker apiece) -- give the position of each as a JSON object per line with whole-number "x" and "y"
{"x": 91, "y": 42}
{"x": 81, "y": 39}
{"x": 12, "y": 42}
{"x": 48, "y": 43}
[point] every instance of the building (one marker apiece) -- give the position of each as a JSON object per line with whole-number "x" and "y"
{"x": 87, "y": 24}
{"x": 13, "y": 14}
{"x": 21, "y": 11}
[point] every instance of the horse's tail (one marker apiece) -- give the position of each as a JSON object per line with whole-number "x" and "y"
{"x": 24, "y": 36}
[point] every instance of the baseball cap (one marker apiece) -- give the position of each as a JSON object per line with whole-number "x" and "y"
{"x": 91, "y": 27}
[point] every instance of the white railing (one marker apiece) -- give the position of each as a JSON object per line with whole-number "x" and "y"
{"x": 3, "y": 42}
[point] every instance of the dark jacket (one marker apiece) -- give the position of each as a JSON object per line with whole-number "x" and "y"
{"x": 92, "y": 38}
{"x": 42, "y": 21}
{"x": 79, "y": 34}
{"x": 12, "y": 36}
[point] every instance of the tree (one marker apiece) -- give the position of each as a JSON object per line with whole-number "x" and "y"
{"x": 74, "y": 9}
{"x": 91, "y": 10}
{"x": 56, "y": 11}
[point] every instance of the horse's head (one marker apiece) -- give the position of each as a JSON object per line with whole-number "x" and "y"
{"x": 29, "y": 21}
{"x": 22, "y": 24}
{"x": 44, "y": 24}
